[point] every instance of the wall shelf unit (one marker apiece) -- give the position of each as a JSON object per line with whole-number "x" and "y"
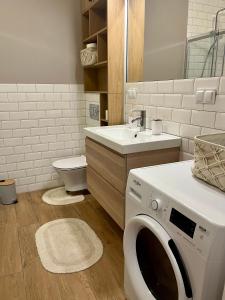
{"x": 103, "y": 24}
{"x": 93, "y": 38}
{"x": 97, "y": 65}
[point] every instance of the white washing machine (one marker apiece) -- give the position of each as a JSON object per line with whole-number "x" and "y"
{"x": 174, "y": 239}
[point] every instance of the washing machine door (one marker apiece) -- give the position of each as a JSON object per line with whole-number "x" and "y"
{"x": 152, "y": 261}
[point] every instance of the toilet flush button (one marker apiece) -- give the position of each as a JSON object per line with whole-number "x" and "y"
{"x": 156, "y": 204}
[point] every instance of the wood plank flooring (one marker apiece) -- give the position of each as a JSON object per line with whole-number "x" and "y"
{"x": 22, "y": 276}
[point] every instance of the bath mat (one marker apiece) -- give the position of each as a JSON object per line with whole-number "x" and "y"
{"x": 59, "y": 196}
{"x": 67, "y": 246}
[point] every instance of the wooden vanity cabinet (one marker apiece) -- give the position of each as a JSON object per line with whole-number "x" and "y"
{"x": 107, "y": 173}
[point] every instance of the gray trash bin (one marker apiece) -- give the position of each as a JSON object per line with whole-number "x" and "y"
{"x": 8, "y": 191}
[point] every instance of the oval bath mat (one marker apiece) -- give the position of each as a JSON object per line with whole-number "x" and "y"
{"x": 59, "y": 196}
{"x": 67, "y": 246}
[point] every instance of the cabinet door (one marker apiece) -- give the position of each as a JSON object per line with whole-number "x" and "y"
{"x": 107, "y": 196}
{"x": 110, "y": 165}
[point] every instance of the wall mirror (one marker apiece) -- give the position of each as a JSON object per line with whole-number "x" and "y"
{"x": 175, "y": 39}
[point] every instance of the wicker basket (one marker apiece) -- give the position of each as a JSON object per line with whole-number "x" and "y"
{"x": 209, "y": 159}
{"x": 88, "y": 56}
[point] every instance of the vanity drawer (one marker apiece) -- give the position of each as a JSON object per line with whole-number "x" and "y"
{"x": 111, "y": 166}
{"x": 107, "y": 196}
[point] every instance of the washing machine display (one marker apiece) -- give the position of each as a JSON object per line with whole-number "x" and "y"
{"x": 182, "y": 222}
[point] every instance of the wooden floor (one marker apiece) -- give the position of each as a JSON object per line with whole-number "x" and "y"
{"x": 22, "y": 276}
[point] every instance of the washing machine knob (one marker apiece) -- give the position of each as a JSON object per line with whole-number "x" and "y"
{"x": 156, "y": 204}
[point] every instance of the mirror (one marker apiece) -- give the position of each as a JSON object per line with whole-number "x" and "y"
{"x": 175, "y": 39}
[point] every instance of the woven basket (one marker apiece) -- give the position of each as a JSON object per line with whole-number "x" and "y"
{"x": 88, "y": 57}
{"x": 209, "y": 159}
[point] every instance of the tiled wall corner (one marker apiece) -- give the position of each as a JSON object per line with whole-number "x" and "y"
{"x": 39, "y": 123}
{"x": 174, "y": 102}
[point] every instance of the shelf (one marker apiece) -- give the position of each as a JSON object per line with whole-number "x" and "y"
{"x": 93, "y": 38}
{"x": 98, "y": 4}
{"x": 104, "y": 122}
{"x": 96, "y": 79}
{"x": 97, "y": 65}
{"x": 97, "y": 92}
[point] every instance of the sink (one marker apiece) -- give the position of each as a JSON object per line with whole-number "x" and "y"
{"x": 127, "y": 140}
{"x": 116, "y": 133}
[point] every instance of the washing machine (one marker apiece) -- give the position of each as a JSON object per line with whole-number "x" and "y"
{"x": 174, "y": 239}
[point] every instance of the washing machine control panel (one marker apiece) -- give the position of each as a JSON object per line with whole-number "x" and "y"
{"x": 157, "y": 206}
{"x": 182, "y": 222}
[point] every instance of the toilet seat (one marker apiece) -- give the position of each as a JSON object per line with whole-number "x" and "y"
{"x": 72, "y": 163}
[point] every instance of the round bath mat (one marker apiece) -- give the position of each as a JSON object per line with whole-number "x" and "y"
{"x": 59, "y": 196}
{"x": 67, "y": 246}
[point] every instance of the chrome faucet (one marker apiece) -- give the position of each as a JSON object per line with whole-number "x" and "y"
{"x": 142, "y": 119}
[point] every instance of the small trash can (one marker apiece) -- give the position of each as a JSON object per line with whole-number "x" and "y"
{"x": 8, "y": 191}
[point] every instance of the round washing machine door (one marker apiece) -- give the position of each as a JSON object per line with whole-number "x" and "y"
{"x": 153, "y": 263}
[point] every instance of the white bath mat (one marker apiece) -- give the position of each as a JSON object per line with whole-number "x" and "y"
{"x": 59, "y": 196}
{"x": 67, "y": 246}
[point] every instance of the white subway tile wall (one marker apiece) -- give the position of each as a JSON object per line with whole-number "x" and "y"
{"x": 39, "y": 123}
{"x": 178, "y": 109}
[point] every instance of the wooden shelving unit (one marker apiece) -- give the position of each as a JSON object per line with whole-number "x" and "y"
{"x": 103, "y": 24}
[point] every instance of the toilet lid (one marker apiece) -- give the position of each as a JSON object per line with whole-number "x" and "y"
{"x": 71, "y": 163}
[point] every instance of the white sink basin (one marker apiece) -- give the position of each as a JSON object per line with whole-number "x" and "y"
{"x": 125, "y": 140}
{"x": 117, "y": 133}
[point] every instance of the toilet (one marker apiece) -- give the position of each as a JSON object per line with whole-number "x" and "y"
{"x": 72, "y": 172}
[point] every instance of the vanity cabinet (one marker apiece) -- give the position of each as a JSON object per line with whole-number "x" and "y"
{"x": 107, "y": 173}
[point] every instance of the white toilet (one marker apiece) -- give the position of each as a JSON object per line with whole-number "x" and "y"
{"x": 72, "y": 172}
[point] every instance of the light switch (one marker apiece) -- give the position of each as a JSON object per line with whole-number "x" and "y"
{"x": 210, "y": 97}
{"x": 132, "y": 93}
{"x": 199, "y": 96}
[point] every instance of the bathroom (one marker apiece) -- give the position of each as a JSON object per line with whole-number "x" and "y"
{"x": 111, "y": 111}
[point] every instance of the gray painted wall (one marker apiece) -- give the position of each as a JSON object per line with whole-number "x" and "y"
{"x": 40, "y": 41}
{"x": 165, "y": 39}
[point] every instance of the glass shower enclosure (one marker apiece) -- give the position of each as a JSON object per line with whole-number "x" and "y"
{"x": 205, "y": 55}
